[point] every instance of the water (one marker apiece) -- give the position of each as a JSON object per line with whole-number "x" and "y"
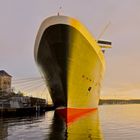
{"x": 110, "y": 122}
{"x": 120, "y": 122}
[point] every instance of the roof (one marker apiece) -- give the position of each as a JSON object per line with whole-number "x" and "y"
{"x": 3, "y": 73}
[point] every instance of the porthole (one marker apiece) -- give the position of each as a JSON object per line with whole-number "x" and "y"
{"x": 89, "y": 89}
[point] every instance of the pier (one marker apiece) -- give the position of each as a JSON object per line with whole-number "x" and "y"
{"x": 12, "y": 103}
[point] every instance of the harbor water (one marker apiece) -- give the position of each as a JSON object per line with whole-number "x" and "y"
{"x": 109, "y": 122}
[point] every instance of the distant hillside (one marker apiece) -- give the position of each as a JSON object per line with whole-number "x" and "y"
{"x": 118, "y": 101}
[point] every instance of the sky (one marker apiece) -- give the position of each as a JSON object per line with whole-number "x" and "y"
{"x": 20, "y": 20}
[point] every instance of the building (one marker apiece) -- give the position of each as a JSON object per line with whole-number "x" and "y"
{"x": 5, "y": 81}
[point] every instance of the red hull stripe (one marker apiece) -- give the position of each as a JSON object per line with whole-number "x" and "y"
{"x": 72, "y": 114}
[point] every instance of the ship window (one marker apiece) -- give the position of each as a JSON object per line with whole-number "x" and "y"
{"x": 89, "y": 89}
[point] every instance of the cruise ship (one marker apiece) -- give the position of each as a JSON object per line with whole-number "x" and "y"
{"x": 72, "y": 63}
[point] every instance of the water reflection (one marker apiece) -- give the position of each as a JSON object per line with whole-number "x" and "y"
{"x": 84, "y": 128}
{"x": 20, "y": 128}
{"x": 3, "y": 130}
{"x": 50, "y": 126}
{"x": 58, "y": 128}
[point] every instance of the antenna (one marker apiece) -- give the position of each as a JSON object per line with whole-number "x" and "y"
{"x": 103, "y": 31}
{"x": 60, "y": 9}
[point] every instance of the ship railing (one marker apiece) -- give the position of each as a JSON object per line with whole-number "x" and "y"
{"x": 104, "y": 45}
